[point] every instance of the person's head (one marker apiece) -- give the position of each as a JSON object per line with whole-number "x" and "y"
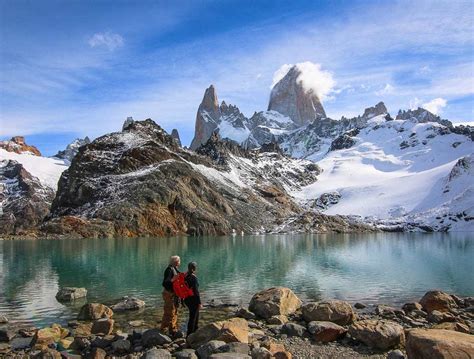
{"x": 192, "y": 267}
{"x": 175, "y": 261}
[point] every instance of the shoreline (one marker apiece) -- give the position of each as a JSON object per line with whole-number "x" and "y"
{"x": 292, "y": 331}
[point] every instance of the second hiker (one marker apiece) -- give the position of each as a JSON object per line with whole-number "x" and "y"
{"x": 193, "y": 302}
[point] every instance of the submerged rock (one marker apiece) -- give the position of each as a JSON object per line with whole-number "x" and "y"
{"x": 71, "y": 293}
{"x": 128, "y": 303}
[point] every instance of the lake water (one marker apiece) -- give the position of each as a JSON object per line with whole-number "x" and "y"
{"x": 370, "y": 268}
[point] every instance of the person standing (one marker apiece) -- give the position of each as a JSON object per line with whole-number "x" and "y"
{"x": 193, "y": 302}
{"x": 171, "y": 301}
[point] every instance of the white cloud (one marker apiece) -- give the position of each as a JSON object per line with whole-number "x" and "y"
{"x": 415, "y": 103}
{"x": 311, "y": 77}
{"x": 108, "y": 39}
{"x": 435, "y": 105}
{"x": 387, "y": 90}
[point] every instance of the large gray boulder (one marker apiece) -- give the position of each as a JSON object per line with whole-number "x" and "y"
{"x": 128, "y": 303}
{"x": 274, "y": 301}
{"x": 380, "y": 334}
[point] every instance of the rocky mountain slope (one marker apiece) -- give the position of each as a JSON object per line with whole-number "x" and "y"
{"x": 140, "y": 182}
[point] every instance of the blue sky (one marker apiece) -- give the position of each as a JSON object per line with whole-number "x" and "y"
{"x": 76, "y": 68}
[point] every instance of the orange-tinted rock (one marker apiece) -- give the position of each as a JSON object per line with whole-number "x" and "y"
{"x": 439, "y": 344}
{"x": 437, "y": 300}
{"x": 17, "y": 144}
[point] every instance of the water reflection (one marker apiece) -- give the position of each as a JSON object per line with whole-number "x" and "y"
{"x": 389, "y": 268}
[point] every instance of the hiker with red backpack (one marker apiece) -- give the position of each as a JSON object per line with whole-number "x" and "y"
{"x": 171, "y": 300}
{"x": 186, "y": 287}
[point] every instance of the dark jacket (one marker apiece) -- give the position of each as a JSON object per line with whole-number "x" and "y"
{"x": 193, "y": 283}
{"x": 170, "y": 272}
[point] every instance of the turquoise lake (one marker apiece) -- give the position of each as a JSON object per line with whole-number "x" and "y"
{"x": 369, "y": 268}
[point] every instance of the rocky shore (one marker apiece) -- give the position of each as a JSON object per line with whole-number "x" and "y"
{"x": 276, "y": 324}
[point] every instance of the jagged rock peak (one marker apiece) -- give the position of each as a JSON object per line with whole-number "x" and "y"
{"x": 71, "y": 149}
{"x": 17, "y": 144}
{"x": 209, "y": 101}
{"x": 290, "y": 98}
{"x": 127, "y": 122}
{"x": 175, "y": 135}
{"x": 378, "y": 109}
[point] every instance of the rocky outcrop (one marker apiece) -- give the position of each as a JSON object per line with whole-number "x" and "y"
{"x": 274, "y": 301}
{"x": 17, "y": 144}
{"x": 438, "y": 343}
{"x": 72, "y": 149}
{"x": 290, "y": 98}
{"x": 139, "y": 182}
{"x": 24, "y": 200}
{"x": 377, "y": 110}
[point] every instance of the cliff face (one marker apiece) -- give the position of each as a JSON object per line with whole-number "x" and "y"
{"x": 290, "y": 98}
{"x": 140, "y": 182}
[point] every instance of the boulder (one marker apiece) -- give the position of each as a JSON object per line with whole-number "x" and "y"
{"x": 395, "y": 354}
{"x": 154, "y": 337}
{"x": 359, "y": 305}
{"x": 439, "y": 317}
{"x": 47, "y": 336}
{"x": 121, "y": 346}
{"x": 80, "y": 343}
{"x": 439, "y": 344}
{"x": 5, "y": 336}
{"x": 380, "y": 334}
{"x": 245, "y": 313}
{"x": 103, "y": 326}
{"x": 437, "y": 300}
{"x": 156, "y": 353}
{"x": 277, "y": 350}
{"x": 185, "y": 354}
{"x": 274, "y": 301}
{"x": 326, "y": 331}
{"x": 293, "y": 330}
{"x": 277, "y": 320}
{"x": 232, "y": 330}
{"x": 235, "y": 347}
{"x": 68, "y": 294}
{"x": 336, "y": 311}
{"x": 230, "y": 356}
{"x": 457, "y": 327}
{"x": 82, "y": 330}
{"x": 97, "y": 353}
{"x": 261, "y": 353}
{"x": 209, "y": 348}
{"x": 93, "y": 311}
{"x": 128, "y": 303}
{"x": 408, "y": 307}
{"x": 21, "y": 343}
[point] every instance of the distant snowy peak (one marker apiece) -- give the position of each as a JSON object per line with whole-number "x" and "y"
{"x": 378, "y": 109}
{"x": 290, "y": 98}
{"x": 72, "y": 149}
{"x": 17, "y": 144}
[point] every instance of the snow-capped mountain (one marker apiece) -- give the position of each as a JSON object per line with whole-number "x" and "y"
{"x": 71, "y": 149}
{"x": 389, "y": 172}
{"x": 28, "y": 183}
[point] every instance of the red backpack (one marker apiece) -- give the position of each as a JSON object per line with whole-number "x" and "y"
{"x": 181, "y": 288}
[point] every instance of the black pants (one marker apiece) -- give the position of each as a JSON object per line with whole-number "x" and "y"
{"x": 193, "y": 306}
